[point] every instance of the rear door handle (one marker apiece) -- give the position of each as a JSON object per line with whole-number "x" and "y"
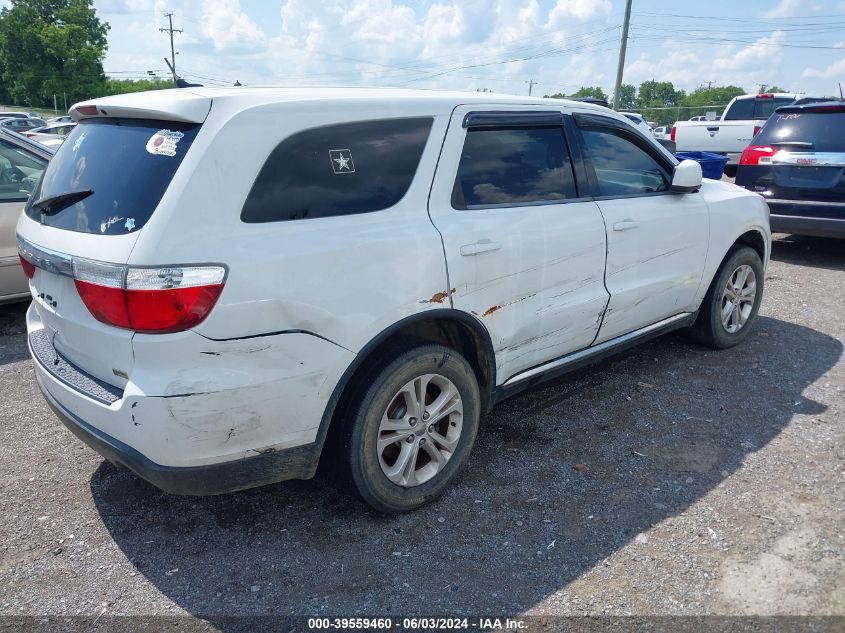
{"x": 625, "y": 225}
{"x": 481, "y": 246}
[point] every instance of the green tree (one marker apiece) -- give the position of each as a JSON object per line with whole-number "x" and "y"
{"x": 52, "y": 47}
{"x": 123, "y": 86}
{"x": 660, "y": 94}
{"x": 590, "y": 91}
{"x": 655, "y": 97}
{"x": 711, "y": 97}
{"x": 584, "y": 91}
{"x": 765, "y": 88}
{"x": 628, "y": 99}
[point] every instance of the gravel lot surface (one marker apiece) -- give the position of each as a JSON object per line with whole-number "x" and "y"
{"x": 714, "y": 484}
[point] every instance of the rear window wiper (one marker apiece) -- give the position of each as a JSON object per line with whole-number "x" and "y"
{"x": 49, "y": 205}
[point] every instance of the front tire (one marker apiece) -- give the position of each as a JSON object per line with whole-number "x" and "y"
{"x": 412, "y": 430}
{"x": 731, "y": 304}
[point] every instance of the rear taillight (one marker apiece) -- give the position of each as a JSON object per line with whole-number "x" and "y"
{"x": 28, "y": 269}
{"x": 756, "y": 131}
{"x": 757, "y": 155}
{"x": 672, "y": 134}
{"x": 149, "y": 300}
{"x": 28, "y": 134}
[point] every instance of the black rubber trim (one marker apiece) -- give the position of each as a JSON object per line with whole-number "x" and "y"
{"x": 512, "y": 118}
{"x": 503, "y": 392}
{"x": 803, "y": 225}
{"x": 269, "y": 467}
{"x": 60, "y": 368}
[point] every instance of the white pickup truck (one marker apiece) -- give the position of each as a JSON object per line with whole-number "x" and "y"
{"x": 732, "y": 133}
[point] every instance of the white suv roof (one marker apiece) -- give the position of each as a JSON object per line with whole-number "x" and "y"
{"x": 193, "y": 104}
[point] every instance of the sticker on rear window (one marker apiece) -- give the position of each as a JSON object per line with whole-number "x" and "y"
{"x": 78, "y": 141}
{"x": 164, "y": 142}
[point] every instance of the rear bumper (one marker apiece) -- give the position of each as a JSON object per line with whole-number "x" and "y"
{"x": 269, "y": 467}
{"x": 807, "y": 218}
{"x": 204, "y": 420}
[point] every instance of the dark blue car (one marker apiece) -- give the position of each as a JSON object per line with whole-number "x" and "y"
{"x": 797, "y": 162}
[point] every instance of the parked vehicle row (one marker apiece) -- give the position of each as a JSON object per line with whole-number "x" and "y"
{"x": 733, "y": 131}
{"x": 213, "y": 304}
{"x": 21, "y": 164}
{"x": 52, "y": 134}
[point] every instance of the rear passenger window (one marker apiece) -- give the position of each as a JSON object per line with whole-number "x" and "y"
{"x": 622, "y": 167}
{"x": 513, "y": 166}
{"x": 741, "y": 110}
{"x": 338, "y": 170}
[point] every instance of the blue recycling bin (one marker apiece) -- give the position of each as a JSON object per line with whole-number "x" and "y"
{"x": 712, "y": 165}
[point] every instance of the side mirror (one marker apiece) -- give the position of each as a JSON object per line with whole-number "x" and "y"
{"x": 687, "y": 177}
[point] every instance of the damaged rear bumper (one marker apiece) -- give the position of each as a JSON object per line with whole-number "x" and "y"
{"x": 299, "y": 462}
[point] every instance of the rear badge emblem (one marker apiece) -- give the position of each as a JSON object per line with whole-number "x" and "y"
{"x": 342, "y": 161}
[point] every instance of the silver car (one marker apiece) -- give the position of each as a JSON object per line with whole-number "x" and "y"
{"x": 21, "y": 164}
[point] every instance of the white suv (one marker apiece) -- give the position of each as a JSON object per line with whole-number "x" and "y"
{"x": 227, "y": 284}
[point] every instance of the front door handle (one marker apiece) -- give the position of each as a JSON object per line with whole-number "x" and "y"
{"x": 481, "y": 246}
{"x": 625, "y": 225}
{"x": 714, "y": 128}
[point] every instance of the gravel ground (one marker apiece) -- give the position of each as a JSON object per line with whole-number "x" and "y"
{"x": 713, "y": 485}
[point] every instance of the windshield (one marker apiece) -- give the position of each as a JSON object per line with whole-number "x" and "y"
{"x": 127, "y": 164}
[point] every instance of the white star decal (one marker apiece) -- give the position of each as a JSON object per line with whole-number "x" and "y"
{"x": 342, "y": 162}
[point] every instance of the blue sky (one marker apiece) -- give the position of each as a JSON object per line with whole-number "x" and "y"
{"x": 494, "y": 44}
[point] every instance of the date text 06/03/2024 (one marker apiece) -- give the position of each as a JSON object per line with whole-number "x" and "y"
{"x": 417, "y": 623}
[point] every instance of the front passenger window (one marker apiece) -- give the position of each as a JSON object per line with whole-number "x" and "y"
{"x": 622, "y": 167}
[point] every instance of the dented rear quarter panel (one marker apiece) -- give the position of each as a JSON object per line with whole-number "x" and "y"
{"x": 345, "y": 278}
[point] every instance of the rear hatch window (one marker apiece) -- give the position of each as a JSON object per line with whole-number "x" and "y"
{"x": 807, "y": 131}
{"x": 747, "y": 109}
{"x": 110, "y": 174}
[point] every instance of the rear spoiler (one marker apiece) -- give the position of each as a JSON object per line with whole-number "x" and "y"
{"x": 168, "y": 105}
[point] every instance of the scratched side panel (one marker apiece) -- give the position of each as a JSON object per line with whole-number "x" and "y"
{"x": 655, "y": 269}
{"x": 541, "y": 293}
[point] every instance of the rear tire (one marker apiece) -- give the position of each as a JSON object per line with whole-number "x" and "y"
{"x": 400, "y": 450}
{"x": 730, "y": 306}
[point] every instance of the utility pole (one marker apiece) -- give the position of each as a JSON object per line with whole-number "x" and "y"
{"x": 531, "y": 83}
{"x": 170, "y": 31}
{"x": 623, "y": 46}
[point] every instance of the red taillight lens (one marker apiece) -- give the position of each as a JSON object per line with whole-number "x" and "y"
{"x": 757, "y": 155}
{"x": 756, "y": 130}
{"x": 107, "y": 305}
{"x": 28, "y": 269}
{"x": 174, "y": 310}
{"x": 672, "y": 134}
{"x": 149, "y": 300}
